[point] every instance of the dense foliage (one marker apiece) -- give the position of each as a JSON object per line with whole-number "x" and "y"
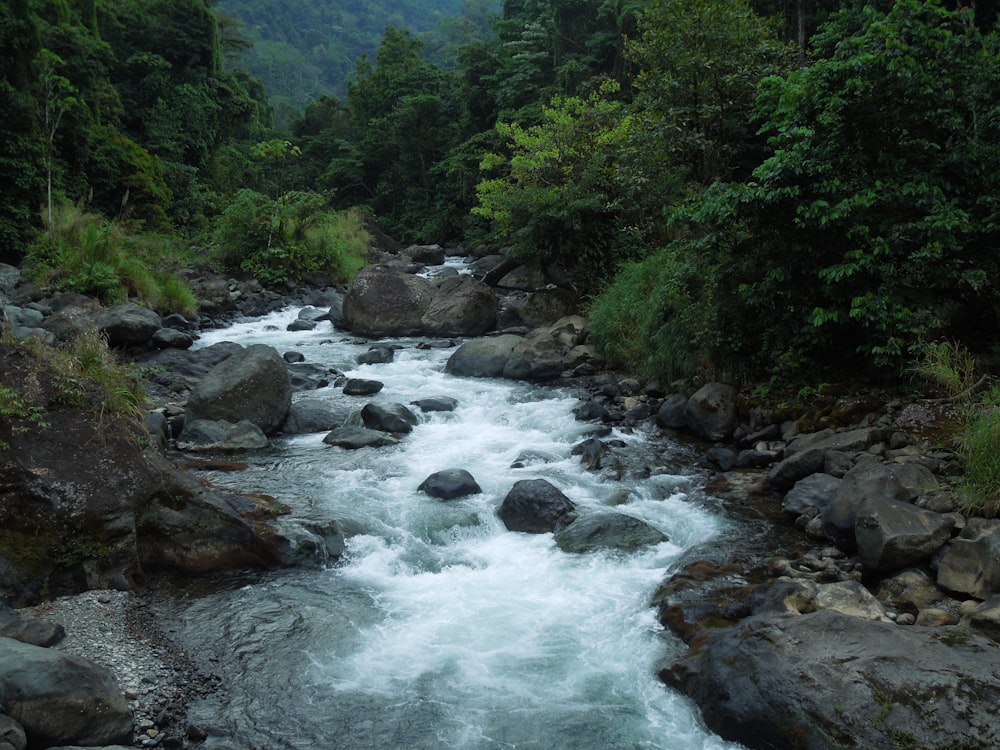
{"x": 742, "y": 188}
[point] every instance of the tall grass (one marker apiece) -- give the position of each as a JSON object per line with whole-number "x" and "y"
{"x": 87, "y": 254}
{"x": 979, "y": 444}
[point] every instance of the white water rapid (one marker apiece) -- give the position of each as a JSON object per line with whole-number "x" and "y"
{"x": 439, "y": 629}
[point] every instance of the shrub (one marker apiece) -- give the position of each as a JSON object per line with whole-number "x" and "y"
{"x": 87, "y": 254}
{"x": 284, "y": 239}
{"x": 979, "y": 444}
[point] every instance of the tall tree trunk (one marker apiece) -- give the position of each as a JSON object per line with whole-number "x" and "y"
{"x": 801, "y": 18}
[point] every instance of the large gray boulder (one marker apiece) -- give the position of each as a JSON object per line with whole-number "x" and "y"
{"x": 971, "y": 563}
{"x": 892, "y": 535}
{"x": 483, "y": 357}
{"x": 314, "y": 415}
{"x": 382, "y": 301}
{"x": 128, "y": 324}
{"x": 828, "y": 680}
{"x": 536, "y": 506}
{"x": 814, "y": 491}
{"x": 252, "y": 384}
{"x": 536, "y": 357}
{"x": 791, "y": 470}
{"x": 607, "y": 530}
{"x": 711, "y": 411}
{"x": 352, "y": 438}
{"x": 462, "y": 306}
{"x": 865, "y": 481}
{"x": 61, "y": 699}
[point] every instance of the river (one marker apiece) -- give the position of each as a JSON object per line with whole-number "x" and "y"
{"x": 439, "y": 629}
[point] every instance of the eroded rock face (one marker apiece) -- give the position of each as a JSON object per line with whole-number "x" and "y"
{"x": 252, "y": 384}
{"x": 61, "y": 699}
{"x": 829, "y": 680}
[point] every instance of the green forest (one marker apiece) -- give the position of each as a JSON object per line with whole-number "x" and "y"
{"x": 756, "y": 190}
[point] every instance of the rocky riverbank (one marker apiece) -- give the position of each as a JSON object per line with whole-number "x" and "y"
{"x": 867, "y": 617}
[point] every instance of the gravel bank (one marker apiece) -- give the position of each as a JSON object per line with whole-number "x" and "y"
{"x": 114, "y": 628}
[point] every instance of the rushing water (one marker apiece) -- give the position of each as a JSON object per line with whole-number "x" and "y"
{"x": 440, "y": 629}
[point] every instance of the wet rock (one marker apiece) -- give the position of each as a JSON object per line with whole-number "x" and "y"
{"x": 353, "y": 438}
{"x": 309, "y": 376}
{"x": 892, "y": 534}
{"x": 535, "y": 357}
{"x": 483, "y": 357}
{"x": 209, "y": 436}
{"x": 536, "y": 506}
{"x": 12, "y": 736}
{"x": 293, "y": 357}
{"x": 909, "y": 590}
{"x": 462, "y": 306}
{"x": 436, "y": 403}
{"x": 171, "y": 338}
{"x": 362, "y": 387}
{"x": 711, "y": 411}
{"x": 382, "y": 301}
{"x": 866, "y": 480}
{"x": 252, "y": 385}
{"x": 825, "y": 680}
{"x": 377, "y": 355}
{"x": 313, "y": 415}
{"x": 61, "y": 699}
{"x": 425, "y": 255}
{"x": 388, "y": 418}
{"x": 591, "y": 452}
{"x": 607, "y": 530}
{"x": 787, "y": 472}
{"x": 801, "y": 596}
{"x": 985, "y": 618}
{"x": 450, "y": 484}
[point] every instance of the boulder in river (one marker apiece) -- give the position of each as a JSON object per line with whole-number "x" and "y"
{"x": 61, "y": 699}
{"x": 128, "y": 324}
{"x": 461, "y": 306}
{"x": 388, "y": 417}
{"x": 353, "y": 438}
{"x": 711, "y": 411}
{"x": 483, "y": 357}
{"x": 537, "y": 507}
{"x": 252, "y": 384}
{"x": 382, "y": 301}
{"x": 450, "y": 484}
{"x": 607, "y": 530}
{"x": 436, "y": 403}
{"x": 208, "y": 436}
{"x": 362, "y": 387}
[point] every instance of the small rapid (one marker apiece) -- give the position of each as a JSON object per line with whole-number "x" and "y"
{"x": 439, "y": 628}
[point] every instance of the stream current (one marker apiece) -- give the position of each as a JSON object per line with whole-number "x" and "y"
{"x": 439, "y": 629}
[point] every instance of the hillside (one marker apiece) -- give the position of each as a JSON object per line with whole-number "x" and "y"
{"x": 305, "y": 48}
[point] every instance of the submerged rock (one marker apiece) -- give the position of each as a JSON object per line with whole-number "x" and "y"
{"x": 607, "y": 530}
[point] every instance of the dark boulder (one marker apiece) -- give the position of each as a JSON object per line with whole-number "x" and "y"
{"x": 436, "y": 403}
{"x": 483, "y": 357}
{"x": 892, "y": 535}
{"x": 377, "y": 355}
{"x": 536, "y": 506}
{"x": 128, "y": 324}
{"x": 61, "y": 699}
{"x": 382, "y": 301}
{"x": 829, "y": 680}
{"x": 450, "y": 484}
{"x": 388, "y": 418}
{"x": 313, "y": 415}
{"x": 362, "y": 387}
{"x": 253, "y": 384}
{"x": 353, "y": 438}
{"x": 211, "y": 436}
{"x": 607, "y": 530}
{"x": 711, "y": 411}
{"x": 461, "y": 306}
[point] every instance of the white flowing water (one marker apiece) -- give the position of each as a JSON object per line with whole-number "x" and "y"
{"x": 439, "y": 628}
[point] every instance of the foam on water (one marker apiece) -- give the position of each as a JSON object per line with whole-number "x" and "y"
{"x": 475, "y": 637}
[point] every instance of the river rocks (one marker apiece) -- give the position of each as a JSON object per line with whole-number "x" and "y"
{"x": 252, "y": 384}
{"x": 483, "y": 357}
{"x": 607, "y": 530}
{"x": 970, "y": 564}
{"x": 353, "y": 438}
{"x": 827, "y": 680}
{"x": 450, "y": 484}
{"x": 128, "y": 324}
{"x": 362, "y": 387}
{"x": 171, "y": 338}
{"x": 377, "y": 355}
{"x": 29, "y": 630}
{"x": 313, "y": 415}
{"x": 801, "y": 596}
{"x": 436, "y": 403}
{"x": 388, "y": 418}
{"x": 814, "y": 491}
{"x": 711, "y": 411}
{"x": 536, "y": 506}
{"x": 867, "y": 480}
{"x": 461, "y": 306}
{"x": 60, "y": 699}
{"x": 209, "y": 436}
{"x": 892, "y": 535}
{"x": 385, "y": 302}
{"x": 12, "y": 736}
